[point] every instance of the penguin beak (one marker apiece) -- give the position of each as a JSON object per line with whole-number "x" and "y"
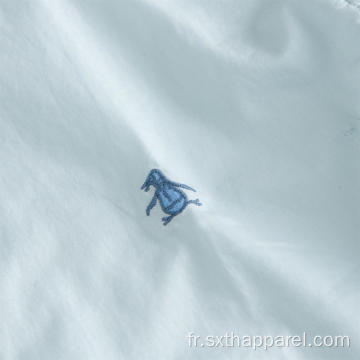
{"x": 145, "y": 186}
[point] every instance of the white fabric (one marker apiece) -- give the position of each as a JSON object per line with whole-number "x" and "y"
{"x": 253, "y": 103}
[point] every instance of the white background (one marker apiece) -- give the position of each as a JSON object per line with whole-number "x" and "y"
{"x": 253, "y": 103}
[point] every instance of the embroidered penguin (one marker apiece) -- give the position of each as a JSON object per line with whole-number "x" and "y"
{"x": 172, "y": 200}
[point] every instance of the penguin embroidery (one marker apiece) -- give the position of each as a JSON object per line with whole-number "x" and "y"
{"x": 172, "y": 199}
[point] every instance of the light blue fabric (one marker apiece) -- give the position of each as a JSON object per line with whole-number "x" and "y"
{"x": 253, "y": 103}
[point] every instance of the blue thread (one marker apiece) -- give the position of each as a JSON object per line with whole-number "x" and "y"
{"x": 172, "y": 200}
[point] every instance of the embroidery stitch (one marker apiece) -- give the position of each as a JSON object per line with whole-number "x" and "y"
{"x": 172, "y": 200}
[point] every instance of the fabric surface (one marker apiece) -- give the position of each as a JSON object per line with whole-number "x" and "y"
{"x": 253, "y": 103}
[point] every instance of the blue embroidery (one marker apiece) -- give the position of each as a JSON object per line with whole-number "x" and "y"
{"x": 173, "y": 201}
